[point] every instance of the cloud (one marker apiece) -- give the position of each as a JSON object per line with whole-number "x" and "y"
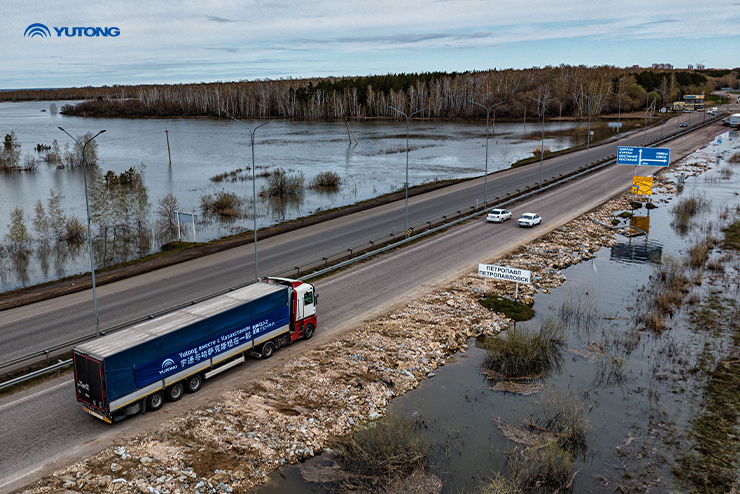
{"x": 213, "y": 18}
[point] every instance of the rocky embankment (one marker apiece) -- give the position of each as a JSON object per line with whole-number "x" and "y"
{"x": 288, "y": 415}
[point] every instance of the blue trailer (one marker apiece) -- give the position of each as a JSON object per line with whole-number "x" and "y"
{"x": 136, "y": 369}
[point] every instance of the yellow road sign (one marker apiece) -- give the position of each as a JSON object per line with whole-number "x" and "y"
{"x": 642, "y": 185}
{"x": 408, "y": 232}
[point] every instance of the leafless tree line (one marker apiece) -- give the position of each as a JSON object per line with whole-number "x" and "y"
{"x": 569, "y": 89}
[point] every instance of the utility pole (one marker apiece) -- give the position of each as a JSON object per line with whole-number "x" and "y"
{"x": 168, "y": 145}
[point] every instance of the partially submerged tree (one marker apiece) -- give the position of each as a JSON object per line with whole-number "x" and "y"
{"x": 18, "y": 236}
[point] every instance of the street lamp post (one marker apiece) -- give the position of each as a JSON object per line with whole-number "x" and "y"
{"x": 542, "y": 142}
{"x": 488, "y": 112}
{"x": 408, "y": 117}
{"x": 678, "y": 112}
{"x": 254, "y": 190}
{"x": 89, "y": 229}
{"x": 588, "y": 139}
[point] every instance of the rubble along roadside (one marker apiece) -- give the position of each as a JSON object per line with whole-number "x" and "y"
{"x": 234, "y": 443}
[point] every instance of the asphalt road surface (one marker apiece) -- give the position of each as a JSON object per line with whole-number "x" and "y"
{"x": 44, "y": 428}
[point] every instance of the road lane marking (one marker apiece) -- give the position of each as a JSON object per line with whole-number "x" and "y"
{"x": 26, "y": 398}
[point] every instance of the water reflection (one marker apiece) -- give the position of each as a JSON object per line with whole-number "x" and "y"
{"x": 637, "y": 251}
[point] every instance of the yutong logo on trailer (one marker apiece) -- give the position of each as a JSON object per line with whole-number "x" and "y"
{"x": 39, "y": 29}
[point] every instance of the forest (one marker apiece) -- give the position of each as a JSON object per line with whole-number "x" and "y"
{"x": 568, "y": 91}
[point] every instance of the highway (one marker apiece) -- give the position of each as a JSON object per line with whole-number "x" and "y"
{"x": 43, "y": 428}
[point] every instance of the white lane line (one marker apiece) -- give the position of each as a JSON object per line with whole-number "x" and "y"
{"x": 20, "y": 476}
{"x": 18, "y": 402}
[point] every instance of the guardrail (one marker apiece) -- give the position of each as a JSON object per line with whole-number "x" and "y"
{"x": 345, "y": 257}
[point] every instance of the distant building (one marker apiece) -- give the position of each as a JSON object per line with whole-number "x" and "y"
{"x": 700, "y": 66}
{"x": 663, "y": 66}
{"x": 690, "y": 67}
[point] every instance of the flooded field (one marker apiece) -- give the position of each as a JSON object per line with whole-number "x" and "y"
{"x": 206, "y": 154}
{"x": 644, "y": 368}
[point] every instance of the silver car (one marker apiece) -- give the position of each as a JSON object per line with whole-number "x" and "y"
{"x": 498, "y": 216}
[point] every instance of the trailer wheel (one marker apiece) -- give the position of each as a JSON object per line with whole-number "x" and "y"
{"x": 268, "y": 349}
{"x": 194, "y": 383}
{"x": 175, "y": 392}
{"x": 155, "y": 401}
{"x": 308, "y": 331}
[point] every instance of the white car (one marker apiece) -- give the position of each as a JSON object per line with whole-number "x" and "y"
{"x": 498, "y": 216}
{"x": 530, "y": 219}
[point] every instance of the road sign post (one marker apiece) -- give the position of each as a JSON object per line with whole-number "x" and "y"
{"x": 639, "y": 156}
{"x": 179, "y": 215}
{"x": 504, "y": 273}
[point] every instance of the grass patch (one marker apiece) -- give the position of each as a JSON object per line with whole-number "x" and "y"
{"x": 625, "y": 214}
{"x": 686, "y": 208}
{"x": 523, "y": 352}
{"x": 698, "y": 253}
{"x": 712, "y": 463}
{"x": 171, "y": 247}
{"x": 636, "y": 205}
{"x": 566, "y": 418}
{"x": 238, "y": 175}
{"x": 651, "y": 205}
{"x": 732, "y": 236}
{"x": 384, "y": 450}
{"x": 544, "y": 468}
{"x": 511, "y": 309}
{"x": 579, "y": 311}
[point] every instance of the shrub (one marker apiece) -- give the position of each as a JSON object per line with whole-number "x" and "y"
{"x": 326, "y": 181}
{"x": 283, "y": 184}
{"x": 384, "y": 449}
{"x": 223, "y": 203}
{"x": 74, "y": 230}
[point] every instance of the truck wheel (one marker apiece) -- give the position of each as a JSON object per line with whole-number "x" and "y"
{"x": 194, "y": 383}
{"x": 268, "y": 349}
{"x": 175, "y": 392}
{"x": 155, "y": 401}
{"x": 308, "y": 331}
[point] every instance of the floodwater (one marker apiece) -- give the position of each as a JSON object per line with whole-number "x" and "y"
{"x": 636, "y": 415}
{"x": 202, "y": 148}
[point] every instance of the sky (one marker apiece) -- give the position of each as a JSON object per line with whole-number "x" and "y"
{"x": 184, "y": 41}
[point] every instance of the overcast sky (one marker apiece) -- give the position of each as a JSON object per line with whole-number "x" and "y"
{"x": 225, "y": 40}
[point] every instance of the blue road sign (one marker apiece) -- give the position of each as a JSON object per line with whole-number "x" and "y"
{"x": 636, "y": 156}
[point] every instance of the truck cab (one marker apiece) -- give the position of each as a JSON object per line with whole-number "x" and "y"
{"x": 303, "y": 300}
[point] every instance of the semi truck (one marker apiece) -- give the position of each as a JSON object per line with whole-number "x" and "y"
{"x": 140, "y": 367}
